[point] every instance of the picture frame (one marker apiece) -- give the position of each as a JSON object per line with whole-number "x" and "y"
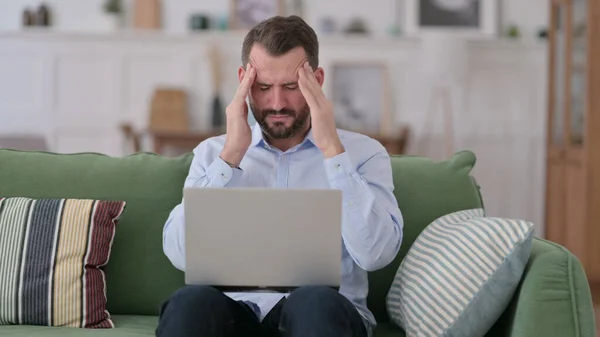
{"x": 245, "y": 14}
{"x": 360, "y": 94}
{"x": 467, "y": 18}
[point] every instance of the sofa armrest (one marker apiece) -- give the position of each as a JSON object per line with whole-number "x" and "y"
{"x": 553, "y": 298}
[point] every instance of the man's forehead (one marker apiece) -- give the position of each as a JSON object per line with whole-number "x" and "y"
{"x": 282, "y": 68}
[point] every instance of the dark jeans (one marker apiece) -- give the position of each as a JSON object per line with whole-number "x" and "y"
{"x": 308, "y": 312}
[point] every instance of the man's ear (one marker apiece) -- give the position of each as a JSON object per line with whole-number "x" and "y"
{"x": 241, "y": 72}
{"x": 320, "y": 76}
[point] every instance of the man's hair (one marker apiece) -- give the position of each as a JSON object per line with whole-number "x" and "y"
{"x": 279, "y": 34}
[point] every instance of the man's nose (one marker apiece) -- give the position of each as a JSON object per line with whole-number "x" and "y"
{"x": 277, "y": 98}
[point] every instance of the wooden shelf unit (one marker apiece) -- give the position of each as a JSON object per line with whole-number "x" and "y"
{"x": 573, "y": 131}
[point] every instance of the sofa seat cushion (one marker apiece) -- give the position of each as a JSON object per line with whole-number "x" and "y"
{"x": 125, "y": 326}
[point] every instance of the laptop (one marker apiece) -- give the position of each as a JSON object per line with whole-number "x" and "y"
{"x": 263, "y": 238}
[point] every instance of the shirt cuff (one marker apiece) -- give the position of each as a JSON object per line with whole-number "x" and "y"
{"x": 339, "y": 167}
{"x": 220, "y": 173}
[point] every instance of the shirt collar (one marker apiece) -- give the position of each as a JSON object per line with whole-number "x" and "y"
{"x": 258, "y": 138}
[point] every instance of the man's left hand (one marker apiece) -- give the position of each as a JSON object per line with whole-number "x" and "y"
{"x": 321, "y": 112}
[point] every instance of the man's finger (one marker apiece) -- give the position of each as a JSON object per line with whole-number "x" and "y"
{"x": 314, "y": 84}
{"x": 305, "y": 88}
{"x": 246, "y": 83}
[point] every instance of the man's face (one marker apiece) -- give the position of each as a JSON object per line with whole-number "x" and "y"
{"x": 275, "y": 97}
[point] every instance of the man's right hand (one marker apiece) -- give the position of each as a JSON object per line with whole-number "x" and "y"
{"x": 239, "y": 135}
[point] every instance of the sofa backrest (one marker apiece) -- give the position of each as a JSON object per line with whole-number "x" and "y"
{"x": 140, "y": 277}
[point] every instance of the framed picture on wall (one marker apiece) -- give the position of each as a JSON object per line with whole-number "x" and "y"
{"x": 359, "y": 93}
{"x": 472, "y": 18}
{"x": 244, "y": 14}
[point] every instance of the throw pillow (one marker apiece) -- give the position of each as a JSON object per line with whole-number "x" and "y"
{"x": 51, "y": 255}
{"x": 459, "y": 275}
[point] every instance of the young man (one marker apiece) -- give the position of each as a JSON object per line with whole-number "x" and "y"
{"x": 295, "y": 144}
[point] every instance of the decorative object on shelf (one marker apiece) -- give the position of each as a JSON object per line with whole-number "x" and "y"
{"x": 443, "y": 62}
{"x": 356, "y": 26}
{"x": 113, "y": 15}
{"x": 247, "y": 13}
{"x": 168, "y": 111}
{"x": 199, "y": 22}
{"x": 513, "y": 31}
{"x": 327, "y": 25}
{"x": 147, "y": 14}
{"x": 360, "y": 96}
{"x": 396, "y": 27}
{"x": 218, "y": 113}
{"x": 28, "y": 18}
{"x": 43, "y": 17}
{"x": 471, "y": 18}
{"x": 395, "y": 31}
{"x": 222, "y": 22}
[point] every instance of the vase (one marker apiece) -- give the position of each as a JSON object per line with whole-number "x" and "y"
{"x": 109, "y": 22}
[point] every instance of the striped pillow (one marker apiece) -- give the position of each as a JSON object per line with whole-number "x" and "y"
{"x": 51, "y": 252}
{"x": 459, "y": 275}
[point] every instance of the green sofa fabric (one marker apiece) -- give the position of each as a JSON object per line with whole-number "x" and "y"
{"x": 552, "y": 300}
{"x": 138, "y": 275}
{"x": 126, "y": 326}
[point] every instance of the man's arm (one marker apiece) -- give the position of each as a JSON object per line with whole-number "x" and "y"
{"x": 371, "y": 220}
{"x": 206, "y": 170}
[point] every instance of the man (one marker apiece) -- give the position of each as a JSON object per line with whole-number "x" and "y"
{"x": 295, "y": 144}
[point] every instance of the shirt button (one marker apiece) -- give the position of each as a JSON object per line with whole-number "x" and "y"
{"x": 224, "y": 176}
{"x": 351, "y": 203}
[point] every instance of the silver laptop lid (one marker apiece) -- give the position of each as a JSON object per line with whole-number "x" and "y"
{"x": 255, "y": 237}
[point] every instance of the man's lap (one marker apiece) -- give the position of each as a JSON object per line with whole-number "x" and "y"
{"x": 305, "y": 306}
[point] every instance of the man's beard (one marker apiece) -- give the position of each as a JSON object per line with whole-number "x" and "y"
{"x": 279, "y": 130}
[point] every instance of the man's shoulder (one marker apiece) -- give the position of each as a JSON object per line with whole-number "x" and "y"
{"x": 214, "y": 143}
{"x": 355, "y": 141}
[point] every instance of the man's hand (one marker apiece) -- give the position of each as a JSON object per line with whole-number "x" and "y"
{"x": 239, "y": 135}
{"x": 321, "y": 112}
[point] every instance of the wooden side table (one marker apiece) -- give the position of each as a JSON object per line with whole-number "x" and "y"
{"x": 187, "y": 141}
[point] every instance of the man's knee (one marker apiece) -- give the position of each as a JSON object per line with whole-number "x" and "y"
{"x": 318, "y": 299}
{"x": 320, "y": 311}
{"x": 195, "y": 298}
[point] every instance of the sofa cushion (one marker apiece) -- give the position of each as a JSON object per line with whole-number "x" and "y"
{"x": 425, "y": 190}
{"x": 139, "y": 277}
{"x": 52, "y": 254}
{"x": 125, "y": 326}
{"x": 460, "y": 274}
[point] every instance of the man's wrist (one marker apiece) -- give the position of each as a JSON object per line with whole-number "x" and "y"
{"x": 232, "y": 158}
{"x": 334, "y": 150}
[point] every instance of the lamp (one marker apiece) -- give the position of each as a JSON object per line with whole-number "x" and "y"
{"x": 443, "y": 61}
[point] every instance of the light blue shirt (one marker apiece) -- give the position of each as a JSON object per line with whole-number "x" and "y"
{"x": 372, "y": 223}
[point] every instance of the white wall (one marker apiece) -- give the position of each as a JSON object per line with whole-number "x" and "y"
{"x": 530, "y": 15}
{"x": 75, "y": 89}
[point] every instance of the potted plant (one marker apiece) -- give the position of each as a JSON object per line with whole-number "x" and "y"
{"x": 113, "y": 14}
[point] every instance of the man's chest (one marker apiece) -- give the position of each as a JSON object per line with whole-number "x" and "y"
{"x": 300, "y": 169}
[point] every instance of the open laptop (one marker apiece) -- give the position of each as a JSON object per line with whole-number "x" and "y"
{"x": 249, "y": 238}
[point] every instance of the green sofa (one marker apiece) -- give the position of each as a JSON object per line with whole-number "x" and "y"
{"x": 553, "y": 298}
